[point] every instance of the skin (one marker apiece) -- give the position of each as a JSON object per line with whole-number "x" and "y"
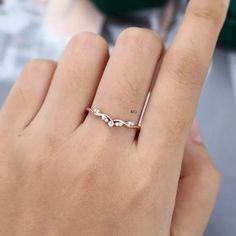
{"x": 64, "y": 172}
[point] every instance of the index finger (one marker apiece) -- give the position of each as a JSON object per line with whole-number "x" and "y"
{"x": 175, "y": 95}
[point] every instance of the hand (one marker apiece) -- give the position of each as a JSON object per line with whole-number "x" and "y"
{"x": 63, "y": 172}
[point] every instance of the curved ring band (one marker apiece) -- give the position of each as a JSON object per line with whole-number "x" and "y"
{"x": 112, "y": 122}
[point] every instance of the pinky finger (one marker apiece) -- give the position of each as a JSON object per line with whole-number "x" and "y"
{"x": 197, "y": 191}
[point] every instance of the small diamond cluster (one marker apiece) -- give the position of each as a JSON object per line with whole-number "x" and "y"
{"x": 110, "y": 122}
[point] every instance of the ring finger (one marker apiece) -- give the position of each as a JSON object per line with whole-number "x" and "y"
{"x": 126, "y": 81}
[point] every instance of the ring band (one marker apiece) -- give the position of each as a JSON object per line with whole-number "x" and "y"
{"x": 112, "y": 122}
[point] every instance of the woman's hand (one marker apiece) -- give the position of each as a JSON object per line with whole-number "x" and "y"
{"x": 63, "y": 172}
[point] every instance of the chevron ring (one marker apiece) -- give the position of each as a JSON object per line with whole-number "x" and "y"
{"x": 112, "y": 122}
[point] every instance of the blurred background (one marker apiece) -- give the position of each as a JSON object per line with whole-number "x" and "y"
{"x": 41, "y": 28}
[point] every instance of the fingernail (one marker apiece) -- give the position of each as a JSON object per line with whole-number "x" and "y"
{"x": 195, "y": 132}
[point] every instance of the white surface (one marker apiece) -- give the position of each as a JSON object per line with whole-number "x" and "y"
{"x": 8, "y": 22}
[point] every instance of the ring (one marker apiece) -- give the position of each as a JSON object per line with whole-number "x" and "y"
{"x": 112, "y": 122}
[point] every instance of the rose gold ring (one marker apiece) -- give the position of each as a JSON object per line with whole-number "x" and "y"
{"x": 112, "y": 122}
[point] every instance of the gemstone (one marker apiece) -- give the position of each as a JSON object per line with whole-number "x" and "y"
{"x": 104, "y": 118}
{"x": 120, "y": 124}
{"x": 111, "y": 123}
{"x": 96, "y": 110}
{"x": 117, "y": 124}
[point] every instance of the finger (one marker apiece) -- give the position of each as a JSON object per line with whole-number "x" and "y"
{"x": 28, "y": 94}
{"x": 74, "y": 83}
{"x": 173, "y": 102}
{"x": 126, "y": 80}
{"x": 197, "y": 191}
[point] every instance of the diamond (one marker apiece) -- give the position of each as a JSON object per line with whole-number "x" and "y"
{"x": 104, "y": 117}
{"x": 96, "y": 110}
{"x": 117, "y": 124}
{"x": 111, "y": 123}
{"x": 106, "y": 120}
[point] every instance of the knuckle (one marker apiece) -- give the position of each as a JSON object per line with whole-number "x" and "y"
{"x": 184, "y": 65}
{"x": 89, "y": 176}
{"x": 215, "y": 174}
{"x": 214, "y": 13}
{"x": 210, "y": 173}
{"x": 175, "y": 230}
{"x": 141, "y": 38}
{"x": 142, "y": 186}
{"x": 89, "y": 40}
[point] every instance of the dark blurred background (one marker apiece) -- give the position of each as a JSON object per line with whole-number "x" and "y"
{"x": 41, "y": 28}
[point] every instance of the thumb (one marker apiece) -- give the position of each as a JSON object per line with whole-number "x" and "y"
{"x": 197, "y": 190}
